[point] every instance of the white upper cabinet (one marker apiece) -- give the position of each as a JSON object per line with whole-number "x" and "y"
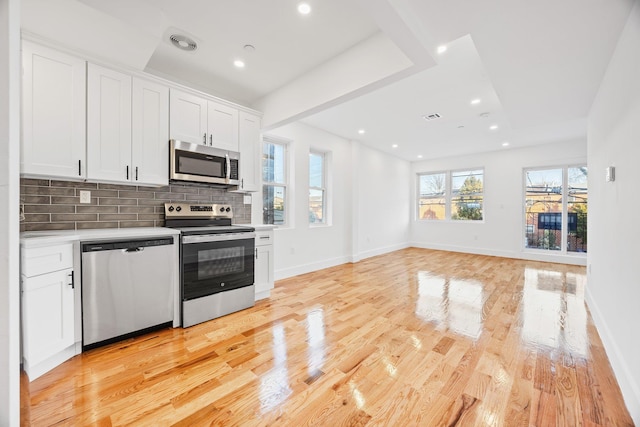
{"x": 223, "y": 126}
{"x": 128, "y": 129}
{"x": 249, "y": 135}
{"x": 188, "y": 118}
{"x": 54, "y": 113}
{"x": 201, "y": 121}
{"x": 150, "y": 148}
{"x": 108, "y": 125}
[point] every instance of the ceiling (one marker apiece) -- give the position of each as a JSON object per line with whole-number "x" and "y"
{"x": 369, "y": 64}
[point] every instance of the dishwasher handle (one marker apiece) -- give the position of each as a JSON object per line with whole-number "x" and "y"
{"x": 126, "y": 245}
{"x": 133, "y": 250}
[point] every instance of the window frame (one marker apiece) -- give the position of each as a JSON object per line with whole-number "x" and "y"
{"x": 324, "y": 188}
{"x": 448, "y": 196}
{"x": 287, "y": 199}
{"x": 564, "y": 194}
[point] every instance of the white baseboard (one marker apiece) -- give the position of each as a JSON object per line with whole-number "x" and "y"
{"x": 308, "y": 268}
{"x": 379, "y": 251}
{"x": 37, "y": 370}
{"x": 628, "y": 384}
{"x": 531, "y": 256}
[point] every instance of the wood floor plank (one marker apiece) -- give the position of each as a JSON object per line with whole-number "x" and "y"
{"x": 412, "y": 337}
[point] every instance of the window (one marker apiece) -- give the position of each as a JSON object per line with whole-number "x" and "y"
{"x": 556, "y": 209}
{"x": 432, "y": 196}
{"x": 274, "y": 180}
{"x": 317, "y": 188}
{"x": 467, "y": 195}
{"x": 463, "y": 202}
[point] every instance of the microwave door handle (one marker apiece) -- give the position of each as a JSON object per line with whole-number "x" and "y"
{"x": 228, "y": 167}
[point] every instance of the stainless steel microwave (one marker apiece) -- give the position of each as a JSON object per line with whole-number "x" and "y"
{"x": 199, "y": 163}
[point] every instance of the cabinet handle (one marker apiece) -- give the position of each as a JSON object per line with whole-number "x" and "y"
{"x": 211, "y": 139}
{"x": 127, "y": 172}
{"x": 72, "y": 284}
{"x": 79, "y": 167}
{"x": 136, "y": 173}
{"x": 204, "y": 138}
{"x": 242, "y": 183}
{"x": 256, "y": 253}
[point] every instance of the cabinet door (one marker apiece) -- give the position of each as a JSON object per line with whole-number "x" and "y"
{"x": 223, "y": 126}
{"x": 150, "y": 145}
{"x": 249, "y": 135}
{"x": 47, "y": 315}
{"x": 188, "y": 118}
{"x": 108, "y": 125}
{"x": 263, "y": 269}
{"x": 53, "y": 113}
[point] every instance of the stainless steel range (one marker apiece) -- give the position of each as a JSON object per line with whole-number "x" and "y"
{"x": 216, "y": 261}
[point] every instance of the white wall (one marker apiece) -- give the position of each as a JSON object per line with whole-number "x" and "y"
{"x": 299, "y": 247}
{"x": 363, "y": 183}
{"x": 613, "y": 293}
{"x": 9, "y": 178}
{"x": 501, "y": 232}
{"x": 382, "y": 200}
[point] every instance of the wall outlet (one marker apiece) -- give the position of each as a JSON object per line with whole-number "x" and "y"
{"x": 85, "y": 196}
{"x": 247, "y": 200}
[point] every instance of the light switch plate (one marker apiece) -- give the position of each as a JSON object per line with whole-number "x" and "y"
{"x": 85, "y": 196}
{"x": 247, "y": 200}
{"x": 610, "y": 174}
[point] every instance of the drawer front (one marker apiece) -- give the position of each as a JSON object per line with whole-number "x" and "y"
{"x": 264, "y": 238}
{"x": 36, "y": 261}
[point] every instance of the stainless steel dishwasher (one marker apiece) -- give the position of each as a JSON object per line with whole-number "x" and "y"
{"x": 127, "y": 288}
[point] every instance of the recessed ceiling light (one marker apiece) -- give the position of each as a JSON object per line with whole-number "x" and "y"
{"x": 304, "y": 8}
{"x": 442, "y": 49}
{"x": 361, "y": 131}
{"x": 394, "y": 146}
{"x": 239, "y": 63}
{"x": 460, "y": 126}
{"x": 493, "y": 127}
{"x": 476, "y": 101}
{"x": 505, "y": 144}
{"x": 484, "y": 115}
{"x": 249, "y": 48}
{"x": 419, "y": 156}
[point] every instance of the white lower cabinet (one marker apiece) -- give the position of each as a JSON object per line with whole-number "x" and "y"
{"x": 48, "y": 313}
{"x": 264, "y": 264}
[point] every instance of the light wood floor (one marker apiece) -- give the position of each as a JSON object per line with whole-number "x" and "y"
{"x": 415, "y": 337}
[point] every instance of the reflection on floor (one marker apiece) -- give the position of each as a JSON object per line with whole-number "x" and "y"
{"x": 415, "y": 337}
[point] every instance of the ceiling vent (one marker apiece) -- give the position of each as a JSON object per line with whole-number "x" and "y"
{"x": 433, "y": 116}
{"x": 183, "y": 42}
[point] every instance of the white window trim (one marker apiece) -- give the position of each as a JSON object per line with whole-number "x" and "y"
{"x": 288, "y": 184}
{"x": 565, "y": 213}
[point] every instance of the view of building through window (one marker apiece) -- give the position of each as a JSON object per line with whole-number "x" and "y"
{"x": 546, "y": 191}
{"x": 274, "y": 189}
{"x": 467, "y": 191}
{"x": 432, "y": 196}
{"x": 317, "y": 188}
{"x": 463, "y": 202}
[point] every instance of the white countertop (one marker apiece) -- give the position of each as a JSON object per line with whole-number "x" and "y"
{"x": 52, "y": 237}
{"x": 261, "y": 227}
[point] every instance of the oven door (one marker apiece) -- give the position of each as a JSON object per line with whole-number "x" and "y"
{"x": 216, "y": 262}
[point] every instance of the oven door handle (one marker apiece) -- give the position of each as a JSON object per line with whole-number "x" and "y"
{"x": 204, "y": 238}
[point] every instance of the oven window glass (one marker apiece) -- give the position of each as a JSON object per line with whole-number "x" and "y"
{"x": 219, "y": 262}
{"x": 196, "y": 166}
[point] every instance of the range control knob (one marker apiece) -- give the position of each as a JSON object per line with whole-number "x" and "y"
{"x": 221, "y": 209}
{"x": 170, "y": 208}
{"x": 178, "y": 209}
{"x": 228, "y": 209}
